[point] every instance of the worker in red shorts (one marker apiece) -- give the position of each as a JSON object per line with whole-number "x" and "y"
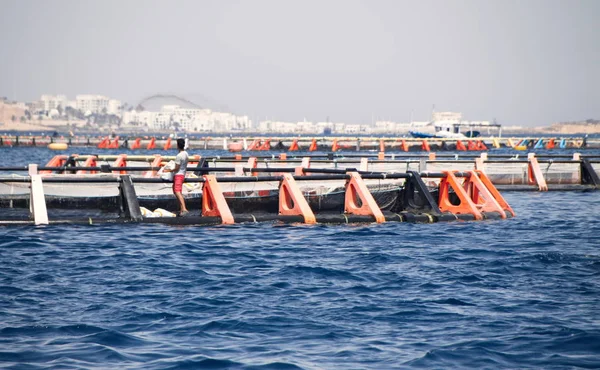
{"x": 181, "y": 161}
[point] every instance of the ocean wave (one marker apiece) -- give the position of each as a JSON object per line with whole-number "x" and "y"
{"x": 518, "y": 294}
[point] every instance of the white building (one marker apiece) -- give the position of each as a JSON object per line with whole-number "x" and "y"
{"x": 71, "y": 104}
{"x": 277, "y": 127}
{"x": 143, "y": 118}
{"x": 243, "y": 123}
{"x": 322, "y": 126}
{"x": 403, "y": 128}
{"x": 114, "y": 107}
{"x": 339, "y": 128}
{"x": 385, "y": 127}
{"x": 305, "y": 128}
{"x": 202, "y": 123}
{"x": 49, "y": 102}
{"x": 90, "y": 104}
{"x": 352, "y": 129}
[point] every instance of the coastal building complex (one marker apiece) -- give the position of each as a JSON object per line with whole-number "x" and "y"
{"x": 379, "y": 127}
{"x": 49, "y": 102}
{"x": 98, "y": 111}
{"x": 174, "y": 117}
{"x": 54, "y": 105}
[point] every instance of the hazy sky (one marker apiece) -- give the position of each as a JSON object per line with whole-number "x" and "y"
{"x": 523, "y": 62}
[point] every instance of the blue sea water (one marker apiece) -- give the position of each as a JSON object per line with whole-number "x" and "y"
{"x": 516, "y": 293}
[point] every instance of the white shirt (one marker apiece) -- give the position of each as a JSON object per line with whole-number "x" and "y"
{"x": 182, "y": 161}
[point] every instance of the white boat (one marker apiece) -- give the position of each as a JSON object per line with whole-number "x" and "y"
{"x": 450, "y": 125}
{"x": 439, "y": 130}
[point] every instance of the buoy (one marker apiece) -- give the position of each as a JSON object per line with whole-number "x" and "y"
{"x": 236, "y": 146}
{"x": 58, "y": 146}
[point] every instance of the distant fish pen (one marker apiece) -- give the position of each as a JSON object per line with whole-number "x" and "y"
{"x": 303, "y": 144}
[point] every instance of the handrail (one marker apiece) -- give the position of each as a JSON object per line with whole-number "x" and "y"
{"x": 109, "y": 177}
{"x": 522, "y": 160}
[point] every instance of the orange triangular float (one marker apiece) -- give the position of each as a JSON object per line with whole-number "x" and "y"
{"x": 114, "y": 144}
{"x": 152, "y": 144}
{"x": 494, "y": 192}
{"x": 404, "y": 145}
{"x": 294, "y": 146}
{"x": 335, "y": 147}
{"x": 155, "y": 163}
{"x": 167, "y": 144}
{"x": 480, "y": 145}
{"x": 136, "y": 144}
{"x": 266, "y": 145}
{"x": 465, "y": 206}
{"x": 104, "y": 143}
{"x": 121, "y": 161}
{"x": 481, "y": 196}
{"x": 213, "y": 201}
{"x": 90, "y": 162}
{"x": 356, "y": 190}
{"x": 254, "y": 145}
{"x": 292, "y": 202}
{"x": 425, "y": 146}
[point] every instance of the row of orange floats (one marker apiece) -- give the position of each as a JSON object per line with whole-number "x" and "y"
{"x": 107, "y": 143}
{"x": 259, "y": 145}
{"x": 472, "y": 145}
{"x": 476, "y": 194}
{"x": 60, "y": 161}
{"x": 6, "y": 141}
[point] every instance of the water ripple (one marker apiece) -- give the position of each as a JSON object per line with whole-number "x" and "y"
{"x": 520, "y": 293}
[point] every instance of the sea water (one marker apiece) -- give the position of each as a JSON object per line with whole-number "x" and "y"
{"x": 516, "y": 293}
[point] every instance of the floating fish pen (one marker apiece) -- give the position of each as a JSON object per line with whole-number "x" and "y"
{"x": 404, "y": 187}
{"x": 405, "y": 197}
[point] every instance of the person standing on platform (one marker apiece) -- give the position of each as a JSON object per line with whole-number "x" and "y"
{"x": 181, "y": 161}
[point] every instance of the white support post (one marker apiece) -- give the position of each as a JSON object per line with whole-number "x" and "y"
{"x": 364, "y": 164}
{"x": 480, "y": 164}
{"x": 422, "y": 164}
{"x": 37, "y": 201}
